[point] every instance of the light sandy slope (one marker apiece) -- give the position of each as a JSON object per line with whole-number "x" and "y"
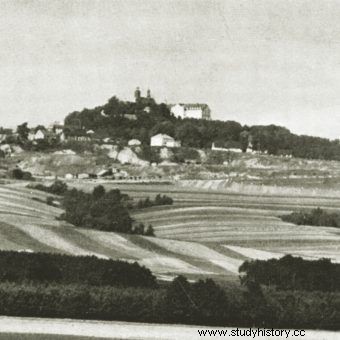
{"x": 151, "y": 259}
{"x": 124, "y": 330}
{"x": 199, "y": 251}
{"x": 257, "y": 254}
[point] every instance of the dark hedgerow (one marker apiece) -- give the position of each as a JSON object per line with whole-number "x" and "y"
{"x": 200, "y": 303}
{"x": 57, "y": 268}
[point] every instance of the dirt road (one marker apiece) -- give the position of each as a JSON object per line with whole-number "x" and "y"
{"x": 125, "y": 330}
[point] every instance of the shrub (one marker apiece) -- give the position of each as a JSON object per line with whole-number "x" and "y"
{"x": 159, "y": 200}
{"x": 49, "y": 200}
{"x": 17, "y": 173}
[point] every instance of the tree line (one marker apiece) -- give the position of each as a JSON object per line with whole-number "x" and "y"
{"x": 180, "y": 302}
{"x": 22, "y": 267}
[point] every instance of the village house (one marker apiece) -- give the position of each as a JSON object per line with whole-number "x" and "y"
{"x": 35, "y": 135}
{"x": 164, "y": 140}
{"x": 196, "y": 111}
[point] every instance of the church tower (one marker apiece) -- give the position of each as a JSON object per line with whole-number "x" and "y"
{"x": 137, "y": 95}
{"x": 148, "y": 94}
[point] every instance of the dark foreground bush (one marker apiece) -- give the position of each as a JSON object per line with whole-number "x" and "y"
{"x": 56, "y": 268}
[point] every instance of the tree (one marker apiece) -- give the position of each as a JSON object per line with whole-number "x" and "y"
{"x": 23, "y": 132}
{"x": 188, "y": 134}
{"x": 244, "y": 140}
{"x": 98, "y": 192}
{"x": 150, "y": 231}
{"x": 164, "y": 127}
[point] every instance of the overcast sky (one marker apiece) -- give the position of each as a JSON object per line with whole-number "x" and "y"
{"x": 256, "y": 62}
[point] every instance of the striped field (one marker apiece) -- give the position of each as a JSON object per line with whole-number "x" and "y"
{"x": 203, "y": 234}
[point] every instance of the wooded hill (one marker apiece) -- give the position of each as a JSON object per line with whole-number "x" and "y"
{"x": 123, "y": 120}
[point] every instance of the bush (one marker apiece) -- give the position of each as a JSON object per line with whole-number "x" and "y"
{"x": 49, "y": 200}
{"x": 57, "y": 188}
{"x": 150, "y": 231}
{"x": 159, "y": 200}
{"x": 21, "y": 175}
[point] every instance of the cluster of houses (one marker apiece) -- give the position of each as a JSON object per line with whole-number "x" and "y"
{"x": 54, "y": 132}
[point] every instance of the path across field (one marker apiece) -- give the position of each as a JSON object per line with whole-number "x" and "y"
{"x": 60, "y": 329}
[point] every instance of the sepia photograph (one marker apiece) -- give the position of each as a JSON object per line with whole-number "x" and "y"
{"x": 169, "y": 169}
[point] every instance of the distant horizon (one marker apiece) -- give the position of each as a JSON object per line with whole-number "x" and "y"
{"x": 254, "y": 63}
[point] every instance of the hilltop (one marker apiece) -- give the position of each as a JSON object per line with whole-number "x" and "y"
{"x": 122, "y": 121}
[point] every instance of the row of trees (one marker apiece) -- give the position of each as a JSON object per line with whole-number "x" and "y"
{"x": 316, "y": 217}
{"x": 55, "y": 268}
{"x": 159, "y": 200}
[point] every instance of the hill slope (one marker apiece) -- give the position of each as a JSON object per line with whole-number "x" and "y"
{"x": 202, "y": 234}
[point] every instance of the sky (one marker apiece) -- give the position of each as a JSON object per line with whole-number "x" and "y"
{"x": 256, "y": 62}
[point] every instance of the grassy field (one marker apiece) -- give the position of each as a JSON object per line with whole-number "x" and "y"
{"x": 220, "y": 219}
{"x": 205, "y": 233}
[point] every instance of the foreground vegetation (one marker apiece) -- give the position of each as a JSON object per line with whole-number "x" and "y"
{"x": 129, "y": 293}
{"x": 201, "y": 303}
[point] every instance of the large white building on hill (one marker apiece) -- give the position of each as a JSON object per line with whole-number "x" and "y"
{"x": 196, "y": 111}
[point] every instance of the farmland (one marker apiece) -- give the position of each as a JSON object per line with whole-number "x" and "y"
{"x": 204, "y": 233}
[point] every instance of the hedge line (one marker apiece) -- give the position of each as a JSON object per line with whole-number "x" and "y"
{"x": 58, "y": 268}
{"x": 201, "y": 303}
